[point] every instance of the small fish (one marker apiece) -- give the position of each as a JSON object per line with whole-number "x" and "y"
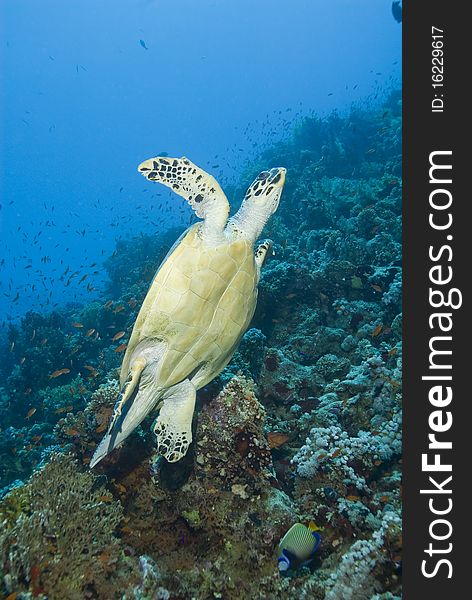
{"x": 58, "y": 373}
{"x": 375, "y": 287}
{"x": 397, "y": 10}
{"x": 109, "y": 303}
{"x": 143, "y": 44}
{"x": 276, "y": 439}
{"x": 118, "y": 335}
{"x": 64, "y": 409}
{"x": 77, "y": 325}
{"x": 120, "y": 488}
{"x": 120, "y": 348}
{"x": 71, "y": 432}
{"x": 298, "y": 546}
{"x": 119, "y": 308}
{"x": 90, "y": 332}
{"x": 377, "y": 330}
{"x": 30, "y": 413}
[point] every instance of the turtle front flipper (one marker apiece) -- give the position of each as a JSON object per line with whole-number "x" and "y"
{"x": 173, "y": 427}
{"x": 200, "y": 189}
{"x": 261, "y": 254}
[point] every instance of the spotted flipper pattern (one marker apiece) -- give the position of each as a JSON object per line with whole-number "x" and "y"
{"x": 200, "y": 189}
{"x": 173, "y": 427}
{"x": 261, "y": 254}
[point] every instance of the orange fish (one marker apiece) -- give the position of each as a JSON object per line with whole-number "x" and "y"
{"x": 336, "y": 453}
{"x": 90, "y": 332}
{"x": 120, "y": 348}
{"x": 105, "y": 498}
{"x": 377, "y": 330}
{"x": 64, "y": 409}
{"x": 90, "y": 368}
{"x": 77, "y": 325}
{"x": 393, "y": 351}
{"x": 71, "y": 432}
{"x": 101, "y": 428}
{"x": 117, "y": 336}
{"x": 30, "y": 413}
{"x": 58, "y": 373}
{"x": 353, "y": 498}
{"x": 384, "y": 498}
{"x": 119, "y": 308}
{"x": 36, "y": 438}
{"x": 12, "y": 596}
{"x": 276, "y": 439}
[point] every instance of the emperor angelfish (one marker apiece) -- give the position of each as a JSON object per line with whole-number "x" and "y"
{"x": 298, "y": 546}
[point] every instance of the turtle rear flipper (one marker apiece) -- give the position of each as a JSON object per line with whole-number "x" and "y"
{"x": 137, "y": 398}
{"x": 173, "y": 427}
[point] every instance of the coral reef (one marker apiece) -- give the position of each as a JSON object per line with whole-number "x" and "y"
{"x": 303, "y": 424}
{"x": 58, "y": 536}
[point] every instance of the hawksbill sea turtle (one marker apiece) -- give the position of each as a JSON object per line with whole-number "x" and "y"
{"x": 198, "y": 306}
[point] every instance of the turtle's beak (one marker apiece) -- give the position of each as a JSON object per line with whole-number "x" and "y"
{"x": 277, "y": 176}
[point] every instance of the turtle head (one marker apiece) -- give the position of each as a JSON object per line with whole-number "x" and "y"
{"x": 260, "y": 202}
{"x": 266, "y": 189}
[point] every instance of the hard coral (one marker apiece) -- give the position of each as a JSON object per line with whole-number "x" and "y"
{"x": 61, "y": 540}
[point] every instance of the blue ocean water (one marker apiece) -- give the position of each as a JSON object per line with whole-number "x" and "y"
{"x": 304, "y": 424}
{"x": 83, "y": 103}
